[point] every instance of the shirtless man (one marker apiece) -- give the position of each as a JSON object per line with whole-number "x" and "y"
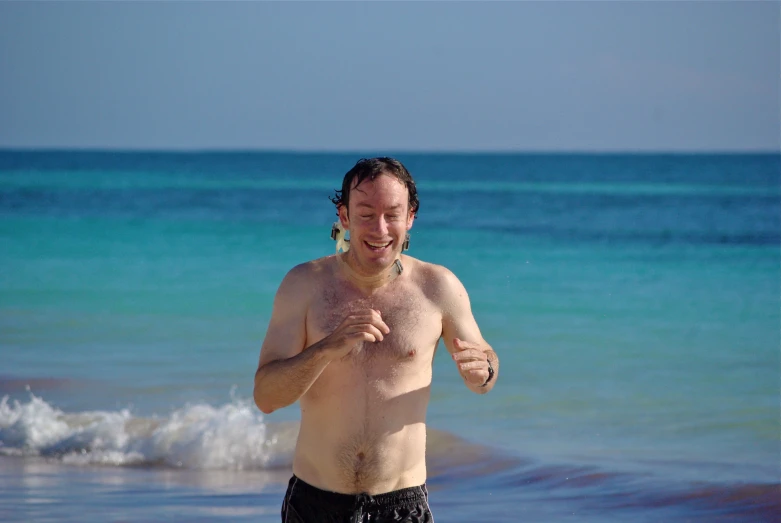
{"x": 352, "y": 338}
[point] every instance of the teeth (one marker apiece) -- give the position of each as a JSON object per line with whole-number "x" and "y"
{"x": 378, "y": 245}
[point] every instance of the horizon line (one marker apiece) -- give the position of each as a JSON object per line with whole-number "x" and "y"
{"x": 465, "y": 152}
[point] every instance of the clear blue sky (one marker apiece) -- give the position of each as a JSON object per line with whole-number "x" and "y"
{"x": 529, "y": 76}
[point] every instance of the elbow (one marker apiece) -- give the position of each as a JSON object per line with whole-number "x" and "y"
{"x": 267, "y": 409}
{"x": 260, "y": 401}
{"x": 263, "y": 404}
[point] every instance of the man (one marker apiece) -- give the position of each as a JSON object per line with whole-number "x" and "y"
{"x": 352, "y": 338}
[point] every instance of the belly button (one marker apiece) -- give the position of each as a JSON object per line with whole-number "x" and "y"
{"x": 360, "y": 456}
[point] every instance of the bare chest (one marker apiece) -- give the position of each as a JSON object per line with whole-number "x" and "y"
{"x": 415, "y": 325}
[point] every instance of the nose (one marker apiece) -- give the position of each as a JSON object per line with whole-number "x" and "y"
{"x": 381, "y": 226}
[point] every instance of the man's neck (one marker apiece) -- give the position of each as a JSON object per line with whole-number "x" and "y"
{"x": 368, "y": 283}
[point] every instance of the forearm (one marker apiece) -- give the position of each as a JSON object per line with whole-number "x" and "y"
{"x": 477, "y": 388}
{"x": 282, "y": 382}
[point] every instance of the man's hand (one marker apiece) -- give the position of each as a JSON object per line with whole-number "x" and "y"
{"x": 472, "y": 362}
{"x": 358, "y": 327}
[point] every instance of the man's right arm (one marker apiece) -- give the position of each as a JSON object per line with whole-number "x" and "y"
{"x": 285, "y": 370}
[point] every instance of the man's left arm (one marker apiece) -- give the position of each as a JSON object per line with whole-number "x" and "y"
{"x": 471, "y": 353}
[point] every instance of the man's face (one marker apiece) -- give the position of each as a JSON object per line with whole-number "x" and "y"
{"x": 378, "y": 220}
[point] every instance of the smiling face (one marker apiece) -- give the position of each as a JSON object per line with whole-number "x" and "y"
{"x": 378, "y": 219}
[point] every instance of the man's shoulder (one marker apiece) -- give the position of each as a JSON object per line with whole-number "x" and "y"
{"x": 312, "y": 267}
{"x": 305, "y": 275}
{"x": 426, "y": 269}
{"x": 436, "y": 280}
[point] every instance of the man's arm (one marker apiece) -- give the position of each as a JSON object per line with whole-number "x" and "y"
{"x": 286, "y": 369}
{"x": 462, "y": 337}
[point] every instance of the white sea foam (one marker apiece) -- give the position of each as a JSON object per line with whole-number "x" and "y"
{"x": 200, "y": 436}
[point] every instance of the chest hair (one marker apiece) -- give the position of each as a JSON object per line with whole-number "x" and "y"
{"x": 404, "y": 310}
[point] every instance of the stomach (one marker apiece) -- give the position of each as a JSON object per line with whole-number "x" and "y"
{"x": 361, "y": 434}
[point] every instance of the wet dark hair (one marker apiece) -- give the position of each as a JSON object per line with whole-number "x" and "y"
{"x": 371, "y": 168}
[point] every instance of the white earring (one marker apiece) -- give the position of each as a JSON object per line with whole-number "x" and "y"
{"x": 338, "y": 233}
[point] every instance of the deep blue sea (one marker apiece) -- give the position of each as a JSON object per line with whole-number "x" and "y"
{"x": 634, "y": 302}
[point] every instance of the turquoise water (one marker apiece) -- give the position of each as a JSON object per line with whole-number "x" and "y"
{"x": 633, "y": 301}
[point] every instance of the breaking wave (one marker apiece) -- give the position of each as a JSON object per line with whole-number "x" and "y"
{"x": 199, "y": 436}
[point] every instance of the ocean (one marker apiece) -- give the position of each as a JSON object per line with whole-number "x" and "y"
{"x": 634, "y": 301}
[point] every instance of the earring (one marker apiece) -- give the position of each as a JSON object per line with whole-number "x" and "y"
{"x": 405, "y": 245}
{"x": 338, "y": 233}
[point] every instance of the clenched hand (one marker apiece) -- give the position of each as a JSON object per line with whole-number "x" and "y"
{"x": 360, "y": 326}
{"x": 472, "y": 362}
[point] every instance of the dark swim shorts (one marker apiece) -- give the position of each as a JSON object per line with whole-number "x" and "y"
{"x": 304, "y": 503}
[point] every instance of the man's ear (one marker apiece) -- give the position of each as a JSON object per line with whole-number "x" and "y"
{"x": 410, "y": 220}
{"x": 343, "y": 217}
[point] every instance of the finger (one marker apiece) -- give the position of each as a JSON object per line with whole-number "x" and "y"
{"x": 371, "y": 329}
{"x": 361, "y": 316}
{"x": 464, "y": 345}
{"x": 477, "y": 376}
{"x": 381, "y": 325}
{"x": 473, "y": 365}
{"x": 367, "y": 312}
{"x": 470, "y": 354}
{"x": 371, "y": 320}
{"x": 372, "y": 316}
{"x": 366, "y": 318}
{"x": 379, "y": 322}
{"x": 362, "y": 336}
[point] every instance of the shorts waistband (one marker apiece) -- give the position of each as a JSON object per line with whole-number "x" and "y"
{"x": 337, "y": 500}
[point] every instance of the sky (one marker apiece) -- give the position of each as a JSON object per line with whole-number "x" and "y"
{"x": 350, "y": 76}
